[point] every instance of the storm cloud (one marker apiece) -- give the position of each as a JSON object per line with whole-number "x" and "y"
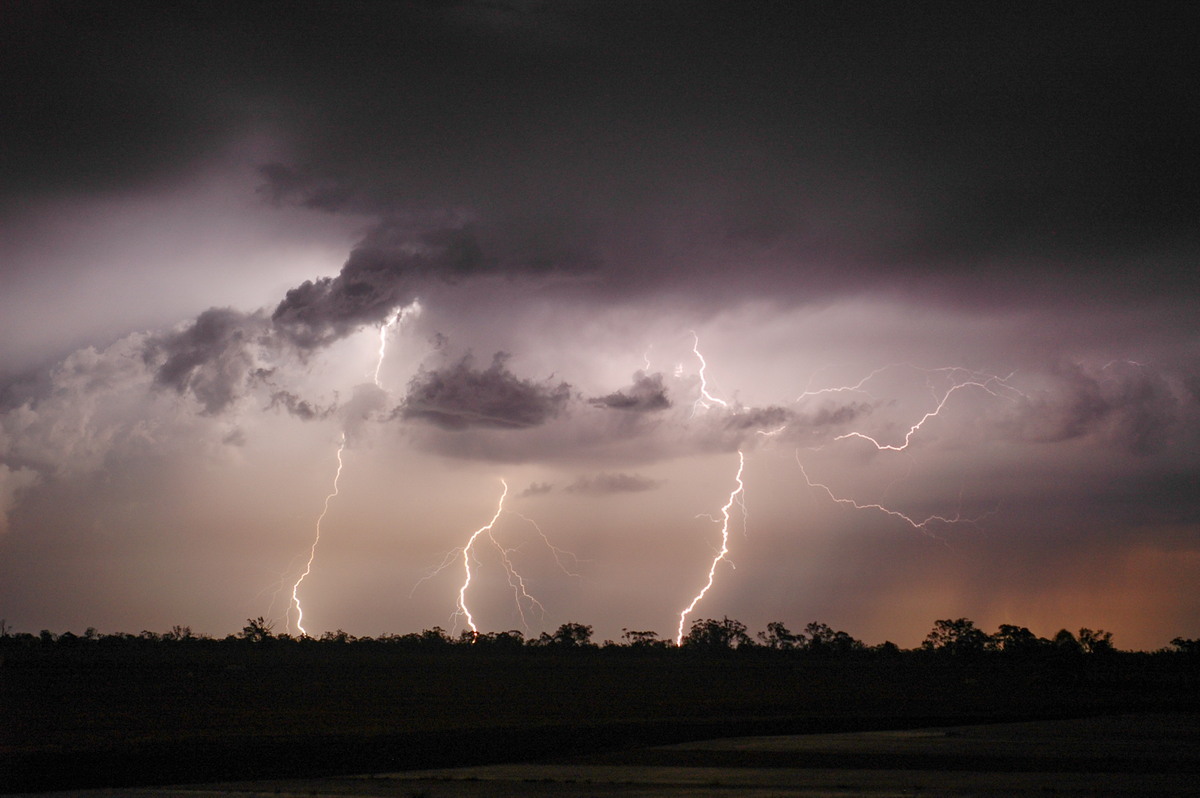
{"x": 211, "y": 358}
{"x": 460, "y": 397}
{"x": 646, "y": 395}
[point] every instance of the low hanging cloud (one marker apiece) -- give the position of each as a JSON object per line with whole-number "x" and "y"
{"x": 646, "y": 395}
{"x": 604, "y": 484}
{"x": 461, "y": 397}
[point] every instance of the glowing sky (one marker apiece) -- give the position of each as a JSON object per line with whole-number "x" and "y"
{"x": 208, "y": 211}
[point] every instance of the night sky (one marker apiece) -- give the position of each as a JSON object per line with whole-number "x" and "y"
{"x": 641, "y": 238}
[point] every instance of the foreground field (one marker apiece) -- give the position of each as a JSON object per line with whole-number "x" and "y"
{"x": 1131, "y": 755}
{"x": 173, "y": 715}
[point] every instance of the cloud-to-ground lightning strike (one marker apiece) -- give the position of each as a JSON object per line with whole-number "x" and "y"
{"x": 712, "y": 570}
{"x": 515, "y": 580}
{"x": 466, "y": 556}
{"x": 395, "y": 317}
{"x": 316, "y": 540}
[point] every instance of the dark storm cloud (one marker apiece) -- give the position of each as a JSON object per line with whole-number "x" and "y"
{"x": 395, "y": 259}
{"x": 460, "y": 397}
{"x": 986, "y": 152}
{"x": 604, "y": 484}
{"x": 646, "y": 395}
{"x": 212, "y": 358}
{"x": 1136, "y": 409}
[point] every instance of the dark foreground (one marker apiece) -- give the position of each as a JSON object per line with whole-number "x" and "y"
{"x": 1128, "y": 755}
{"x": 121, "y": 721}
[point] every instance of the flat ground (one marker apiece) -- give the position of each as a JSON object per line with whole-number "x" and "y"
{"x": 1123, "y": 755}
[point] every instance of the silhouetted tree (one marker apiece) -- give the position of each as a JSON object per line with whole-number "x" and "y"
{"x": 1016, "y": 640}
{"x": 511, "y": 640}
{"x": 778, "y": 637}
{"x": 434, "y": 637}
{"x": 257, "y": 630}
{"x": 957, "y": 637}
{"x": 569, "y": 635}
{"x": 1095, "y": 641}
{"x": 1065, "y": 643}
{"x": 713, "y": 635}
{"x": 1186, "y": 646}
{"x": 646, "y": 639}
{"x": 823, "y": 639}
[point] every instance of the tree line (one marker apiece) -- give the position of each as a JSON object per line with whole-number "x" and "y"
{"x": 949, "y": 637}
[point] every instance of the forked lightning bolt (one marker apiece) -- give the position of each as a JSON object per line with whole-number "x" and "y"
{"x": 986, "y": 385}
{"x": 313, "y": 551}
{"x": 734, "y": 498}
{"x": 396, "y": 316}
{"x": 922, "y": 526}
{"x": 466, "y": 555}
{"x": 516, "y": 581}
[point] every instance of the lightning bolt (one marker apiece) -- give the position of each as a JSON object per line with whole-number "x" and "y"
{"x": 313, "y": 551}
{"x": 558, "y": 554}
{"x": 466, "y": 557}
{"x": 705, "y": 397}
{"x": 398, "y": 315}
{"x": 516, "y": 582}
{"x": 734, "y": 497}
{"x": 921, "y": 526}
{"x": 988, "y": 385}
{"x": 856, "y": 387}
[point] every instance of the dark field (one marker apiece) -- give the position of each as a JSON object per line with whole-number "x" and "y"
{"x": 205, "y": 712}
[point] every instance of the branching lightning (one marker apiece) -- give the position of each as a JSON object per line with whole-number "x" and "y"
{"x": 316, "y": 540}
{"x": 856, "y": 387}
{"x": 516, "y": 582}
{"x": 558, "y": 553}
{"x": 921, "y": 526}
{"x": 991, "y": 384}
{"x": 466, "y": 557}
{"x": 734, "y": 498}
{"x": 986, "y": 385}
{"x": 398, "y": 315}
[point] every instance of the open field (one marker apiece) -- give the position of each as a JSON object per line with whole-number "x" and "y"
{"x": 1130, "y": 755}
{"x": 252, "y": 713}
